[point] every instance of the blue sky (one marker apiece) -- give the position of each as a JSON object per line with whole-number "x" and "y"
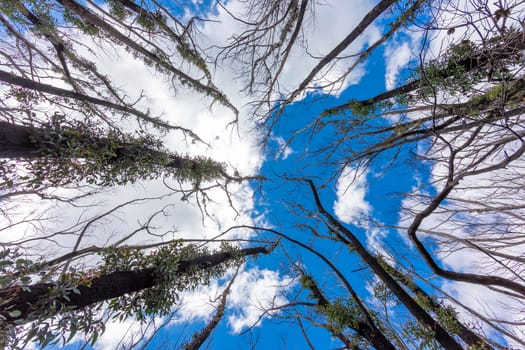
{"x": 377, "y": 193}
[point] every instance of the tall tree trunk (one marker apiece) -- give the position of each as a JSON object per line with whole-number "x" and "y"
{"x": 24, "y": 304}
{"x": 369, "y": 332}
{"x": 16, "y": 142}
{"x": 442, "y": 336}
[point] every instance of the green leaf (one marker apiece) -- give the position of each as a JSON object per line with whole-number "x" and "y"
{"x": 15, "y": 313}
{"x": 5, "y": 263}
{"x": 73, "y": 332}
{"x": 94, "y": 338}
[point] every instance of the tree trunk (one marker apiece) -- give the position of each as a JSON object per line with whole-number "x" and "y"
{"x": 442, "y": 336}
{"x": 25, "y": 304}
{"x": 16, "y": 142}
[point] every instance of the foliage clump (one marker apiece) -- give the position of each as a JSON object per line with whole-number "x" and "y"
{"x": 343, "y": 313}
{"x": 169, "y": 281}
{"x": 164, "y": 263}
{"x": 73, "y": 151}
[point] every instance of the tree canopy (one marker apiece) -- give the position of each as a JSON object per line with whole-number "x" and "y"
{"x": 370, "y": 154}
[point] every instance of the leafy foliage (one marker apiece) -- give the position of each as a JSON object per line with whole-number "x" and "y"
{"x": 159, "y": 299}
{"x": 343, "y": 313}
{"x": 73, "y": 151}
{"x": 49, "y": 328}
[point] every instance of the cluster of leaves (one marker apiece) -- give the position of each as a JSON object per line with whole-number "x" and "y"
{"x": 17, "y": 270}
{"x": 343, "y": 313}
{"x": 145, "y": 19}
{"x": 360, "y": 109}
{"x": 13, "y": 9}
{"x": 424, "y": 336}
{"x": 73, "y": 151}
{"x": 55, "y": 330}
{"x": 447, "y": 316}
{"x": 78, "y": 22}
{"x": 14, "y": 268}
{"x": 169, "y": 279}
{"x": 47, "y": 330}
{"x": 466, "y": 64}
{"x": 449, "y": 71}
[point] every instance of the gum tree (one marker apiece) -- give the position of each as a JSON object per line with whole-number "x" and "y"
{"x": 131, "y": 282}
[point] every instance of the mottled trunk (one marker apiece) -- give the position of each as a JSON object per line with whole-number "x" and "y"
{"x": 15, "y": 141}
{"x": 21, "y": 305}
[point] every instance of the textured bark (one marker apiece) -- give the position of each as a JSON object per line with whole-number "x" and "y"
{"x": 16, "y": 143}
{"x": 35, "y": 300}
{"x": 443, "y": 337}
{"x": 376, "y": 338}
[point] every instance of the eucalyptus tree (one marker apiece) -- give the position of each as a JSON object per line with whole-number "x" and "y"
{"x": 62, "y": 152}
{"x": 131, "y": 282}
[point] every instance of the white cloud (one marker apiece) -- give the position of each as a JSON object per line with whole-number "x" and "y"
{"x": 398, "y": 54}
{"x": 322, "y": 30}
{"x": 283, "y": 150}
{"x": 351, "y": 189}
{"x": 396, "y": 59}
{"x": 123, "y": 334}
{"x": 375, "y": 238}
{"x": 255, "y": 291}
